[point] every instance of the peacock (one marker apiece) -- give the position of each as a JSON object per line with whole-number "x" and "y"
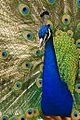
{"x": 22, "y": 60}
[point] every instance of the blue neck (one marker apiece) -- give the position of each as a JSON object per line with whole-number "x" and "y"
{"x": 55, "y": 93}
{"x": 50, "y": 69}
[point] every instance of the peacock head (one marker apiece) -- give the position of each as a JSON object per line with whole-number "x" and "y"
{"x": 44, "y": 16}
{"x": 45, "y": 34}
{"x": 45, "y": 31}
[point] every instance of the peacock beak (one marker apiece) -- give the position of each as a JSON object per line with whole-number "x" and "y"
{"x": 41, "y": 42}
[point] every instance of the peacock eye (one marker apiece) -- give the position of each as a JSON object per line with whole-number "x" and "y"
{"x": 75, "y": 115}
{"x": 38, "y": 52}
{"x": 18, "y": 85}
{"x": 3, "y": 54}
{"x": 66, "y": 19}
{"x": 23, "y": 118}
{"x": 4, "y": 118}
{"x": 28, "y": 35}
{"x": 78, "y": 87}
{"x": 29, "y": 113}
{"x": 39, "y": 83}
{"x": 70, "y": 33}
{"x": 27, "y": 65}
{"x": 23, "y": 9}
{"x": 78, "y": 3}
{"x": 51, "y": 1}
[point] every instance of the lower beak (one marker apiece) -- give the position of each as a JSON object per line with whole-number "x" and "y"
{"x": 41, "y": 42}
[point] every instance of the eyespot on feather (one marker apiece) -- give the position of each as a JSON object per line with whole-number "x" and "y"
{"x": 66, "y": 19}
{"x": 23, "y": 9}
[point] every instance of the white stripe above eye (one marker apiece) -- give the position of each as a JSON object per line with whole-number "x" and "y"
{"x": 45, "y": 36}
{"x": 49, "y": 34}
{"x": 41, "y": 40}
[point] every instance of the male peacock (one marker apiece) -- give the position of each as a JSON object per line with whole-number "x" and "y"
{"x": 55, "y": 93}
{"x": 21, "y": 59}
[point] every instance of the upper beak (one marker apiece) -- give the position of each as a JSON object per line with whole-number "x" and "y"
{"x": 41, "y": 42}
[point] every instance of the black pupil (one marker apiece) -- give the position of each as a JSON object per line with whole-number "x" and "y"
{"x": 3, "y": 53}
{"x": 18, "y": 85}
{"x": 24, "y": 9}
{"x": 27, "y": 65}
{"x": 79, "y": 43}
{"x": 40, "y": 82}
{"x": 75, "y": 115}
{"x": 79, "y": 87}
{"x": 4, "y": 119}
{"x": 22, "y": 118}
{"x": 28, "y": 35}
{"x": 30, "y": 112}
{"x": 66, "y": 20}
{"x": 38, "y": 52}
